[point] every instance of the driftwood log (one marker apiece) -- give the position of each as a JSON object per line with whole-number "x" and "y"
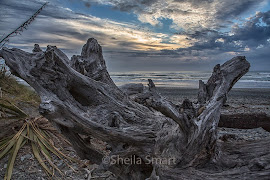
{"x": 245, "y": 121}
{"x": 137, "y": 123}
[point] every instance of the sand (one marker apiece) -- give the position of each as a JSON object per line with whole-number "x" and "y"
{"x": 239, "y": 100}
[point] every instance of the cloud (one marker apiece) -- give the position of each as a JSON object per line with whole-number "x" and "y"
{"x": 250, "y": 38}
{"x": 199, "y": 40}
{"x": 255, "y": 31}
{"x": 87, "y": 4}
{"x": 69, "y": 30}
{"x": 187, "y": 15}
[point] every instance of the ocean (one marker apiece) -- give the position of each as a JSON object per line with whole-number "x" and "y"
{"x": 187, "y": 79}
{"x": 184, "y": 79}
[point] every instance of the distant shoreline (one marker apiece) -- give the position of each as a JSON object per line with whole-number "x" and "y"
{"x": 239, "y": 100}
{"x": 188, "y": 79}
{"x": 235, "y": 93}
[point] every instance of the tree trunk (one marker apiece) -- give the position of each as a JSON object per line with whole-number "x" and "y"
{"x": 137, "y": 123}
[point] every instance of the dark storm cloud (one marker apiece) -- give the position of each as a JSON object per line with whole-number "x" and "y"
{"x": 25, "y": 5}
{"x": 87, "y": 4}
{"x": 47, "y": 28}
{"x": 251, "y": 34}
{"x": 14, "y": 11}
{"x": 250, "y": 38}
{"x": 196, "y": 3}
{"x": 233, "y": 8}
{"x": 188, "y": 15}
{"x": 135, "y": 44}
{"x": 18, "y": 9}
{"x": 225, "y": 9}
{"x": 177, "y": 11}
{"x": 128, "y": 5}
{"x": 203, "y": 33}
{"x": 255, "y": 31}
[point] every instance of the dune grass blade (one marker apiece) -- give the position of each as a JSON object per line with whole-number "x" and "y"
{"x": 49, "y": 145}
{"x": 14, "y": 108}
{"x": 9, "y": 160}
{"x": 53, "y": 149}
{"x": 41, "y": 146}
{"x": 13, "y": 156}
{"x": 23, "y": 143}
{"x": 8, "y": 148}
{"x": 51, "y": 163}
{"x": 5, "y": 141}
{"x": 28, "y": 129}
{"x": 36, "y": 153}
{"x": 44, "y": 149}
{"x": 44, "y": 140}
{"x": 9, "y": 112}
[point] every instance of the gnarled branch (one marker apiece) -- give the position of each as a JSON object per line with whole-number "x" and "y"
{"x": 80, "y": 98}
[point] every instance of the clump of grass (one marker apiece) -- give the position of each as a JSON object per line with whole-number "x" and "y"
{"x": 41, "y": 143}
{"x": 14, "y": 96}
{"x": 16, "y": 92}
{"x": 10, "y": 111}
{"x": 34, "y": 131}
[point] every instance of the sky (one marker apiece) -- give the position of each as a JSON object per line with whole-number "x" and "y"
{"x": 147, "y": 35}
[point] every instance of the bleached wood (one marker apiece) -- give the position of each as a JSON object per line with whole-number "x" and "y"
{"x": 80, "y": 98}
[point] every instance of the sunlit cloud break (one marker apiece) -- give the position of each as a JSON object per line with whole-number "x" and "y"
{"x": 176, "y": 31}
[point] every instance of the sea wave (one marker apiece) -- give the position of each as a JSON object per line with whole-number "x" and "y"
{"x": 185, "y": 79}
{"x": 188, "y": 79}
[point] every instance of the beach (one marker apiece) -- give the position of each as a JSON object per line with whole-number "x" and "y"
{"x": 240, "y": 100}
{"x": 109, "y": 90}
